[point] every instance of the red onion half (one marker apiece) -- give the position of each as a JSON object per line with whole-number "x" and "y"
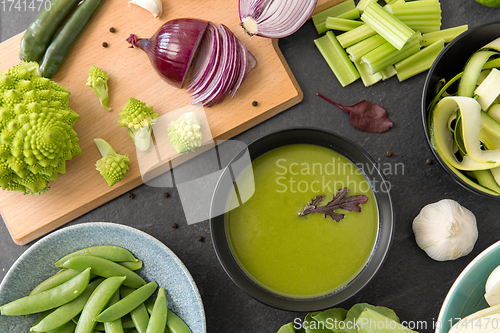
{"x": 274, "y": 18}
{"x": 221, "y": 64}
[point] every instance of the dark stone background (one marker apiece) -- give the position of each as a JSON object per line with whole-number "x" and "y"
{"x": 409, "y": 282}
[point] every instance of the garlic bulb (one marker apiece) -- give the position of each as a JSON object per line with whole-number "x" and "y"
{"x": 492, "y": 287}
{"x": 445, "y": 230}
{"x": 154, "y": 6}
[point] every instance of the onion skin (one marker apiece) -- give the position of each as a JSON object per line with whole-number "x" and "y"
{"x": 172, "y": 47}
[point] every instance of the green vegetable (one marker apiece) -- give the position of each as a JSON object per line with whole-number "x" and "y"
{"x": 364, "y": 72}
{"x": 98, "y": 80}
{"x": 337, "y": 59}
{"x": 362, "y": 4}
{"x": 335, "y": 23}
{"x": 356, "y": 35}
{"x": 419, "y": 62}
{"x": 57, "y": 279}
{"x": 36, "y": 135}
{"x": 139, "y": 315}
{"x": 66, "y": 312}
{"x": 40, "y": 32}
{"x": 112, "y": 166}
{"x": 288, "y": 328}
{"x": 110, "y": 252}
{"x": 319, "y": 19}
{"x": 49, "y": 299}
{"x": 128, "y": 303}
{"x": 62, "y": 44}
{"x": 158, "y": 321}
{"x": 331, "y": 318}
{"x": 69, "y": 327}
{"x": 360, "y": 49}
{"x": 138, "y": 118}
{"x": 423, "y": 16}
{"x": 104, "y": 268}
{"x": 185, "y": 133}
{"x": 114, "y": 326}
{"x": 446, "y": 34}
{"x": 383, "y": 323}
{"x": 354, "y": 313}
{"x": 176, "y": 324}
{"x": 97, "y": 301}
{"x": 488, "y": 91}
{"x": 133, "y": 266}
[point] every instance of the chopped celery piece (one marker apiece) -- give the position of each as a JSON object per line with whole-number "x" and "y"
{"x": 423, "y": 7}
{"x": 386, "y": 55}
{"x": 387, "y": 25}
{"x": 335, "y": 23}
{"x": 489, "y": 89}
{"x": 388, "y": 72}
{"x": 360, "y": 49}
{"x": 419, "y": 62}
{"x": 319, "y": 19}
{"x": 426, "y": 28}
{"x": 355, "y": 35}
{"x": 353, "y": 14}
{"x": 362, "y": 4}
{"x": 366, "y": 77}
{"x": 337, "y": 59}
{"x": 447, "y": 34}
{"x": 420, "y": 17}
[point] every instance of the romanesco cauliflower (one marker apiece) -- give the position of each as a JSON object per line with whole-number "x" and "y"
{"x": 36, "y": 135}
{"x": 185, "y": 133}
{"x": 98, "y": 80}
{"x": 112, "y": 166}
{"x": 138, "y": 118}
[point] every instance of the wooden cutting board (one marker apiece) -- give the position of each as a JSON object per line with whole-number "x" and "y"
{"x": 82, "y": 188}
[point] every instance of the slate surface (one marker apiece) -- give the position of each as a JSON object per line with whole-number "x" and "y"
{"x": 409, "y": 281}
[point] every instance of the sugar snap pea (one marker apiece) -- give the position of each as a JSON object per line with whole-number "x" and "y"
{"x": 128, "y": 303}
{"x": 49, "y": 299}
{"x": 104, "y": 268}
{"x": 98, "y": 326}
{"x": 139, "y": 315}
{"x": 176, "y": 324}
{"x": 55, "y": 280}
{"x": 133, "y": 266}
{"x": 69, "y": 327}
{"x": 157, "y": 322}
{"x": 96, "y": 303}
{"x": 63, "y": 42}
{"x": 113, "y": 253}
{"x": 114, "y": 326}
{"x": 36, "y": 39}
{"x": 65, "y": 313}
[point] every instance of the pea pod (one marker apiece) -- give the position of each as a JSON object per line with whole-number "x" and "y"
{"x": 55, "y": 280}
{"x": 133, "y": 266}
{"x": 64, "y": 313}
{"x": 139, "y": 315}
{"x": 96, "y": 303}
{"x": 98, "y": 326}
{"x": 113, "y": 253}
{"x": 69, "y": 327}
{"x": 62, "y": 44}
{"x": 158, "y": 320}
{"x": 49, "y": 299}
{"x": 176, "y": 324}
{"x": 104, "y": 268}
{"x": 128, "y": 303}
{"x": 116, "y": 325}
{"x": 36, "y": 39}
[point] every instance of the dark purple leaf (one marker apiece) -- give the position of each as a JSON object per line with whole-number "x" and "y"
{"x": 365, "y": 116}
{"x": 339, "y": 201}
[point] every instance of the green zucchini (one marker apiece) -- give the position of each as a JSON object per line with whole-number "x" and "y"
{"x": 62, "y": 44}
{"x": 40, "y": 32}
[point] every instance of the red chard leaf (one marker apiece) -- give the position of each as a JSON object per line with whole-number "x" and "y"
{"x": 339, "y": 201}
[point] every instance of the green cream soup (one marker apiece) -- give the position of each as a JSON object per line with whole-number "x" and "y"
{"x": 294, "y": 256}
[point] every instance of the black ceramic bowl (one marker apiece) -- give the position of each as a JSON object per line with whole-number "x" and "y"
{"x": 317, "y": 137}
{"x": 449, "y": 63}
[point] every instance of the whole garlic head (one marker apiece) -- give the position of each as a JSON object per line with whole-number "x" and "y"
{"x": 445, "y": 230}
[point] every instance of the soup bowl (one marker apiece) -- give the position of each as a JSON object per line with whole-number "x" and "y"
{"x": 226, "y": 185}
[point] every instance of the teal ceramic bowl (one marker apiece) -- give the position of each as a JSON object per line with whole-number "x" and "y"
{"x": 160, "y": 265}
{"x": 466, "y": 296}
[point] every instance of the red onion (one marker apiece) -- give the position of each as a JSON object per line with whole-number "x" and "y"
{"x": 274, "y": 18}
{"x": 221, "y": 64}
{"x": 172, "y": 48}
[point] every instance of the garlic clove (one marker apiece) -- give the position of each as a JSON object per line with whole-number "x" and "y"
{"x": 492, "y": 288}
{"x": 445, "y": 230}
{"x": 154, "y": 6}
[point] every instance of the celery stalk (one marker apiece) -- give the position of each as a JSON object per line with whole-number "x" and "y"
{"x": 353, "y": 14}
{"x": 387, "y": 25}
{"x": 422, "y": 7}
{"x": 355, "y": 35}
{"x": 446, "y": 34}
{"x": 419, "y": 62}
{"x": 366, "y": 77}
{"x": 340, "y": 24}
{"x": 388, "y": 72}
{"x": 386, "y": 55}
{"x": 426, "y": 29}
{"x": 337, "y": 59}
{"x": 360, "y": 49}
{"x": 362, "y": 4}
{"x": 319, "y": 19}
{"x": 419, "y": 17}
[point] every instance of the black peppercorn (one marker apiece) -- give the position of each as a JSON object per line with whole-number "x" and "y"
{"x": 428, "y": 161}
{"x": 104, "y": 44}
{"x": 166, "y": 195}
{"x": 255, "y": 103}
{"x": 112, "y": 30}
{"x": 201, "y": 239}
{"x": 175, "y": 226}
{"x": 389, "y": 153}
{"x": 130, "y": 195}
